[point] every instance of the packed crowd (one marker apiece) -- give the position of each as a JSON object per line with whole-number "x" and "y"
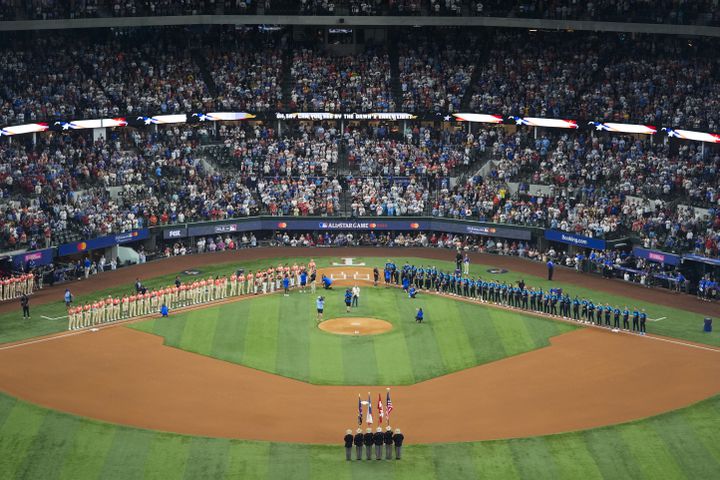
{"x": 702, "y": 12}
{"x": 247, "y": 73}
{"x": 587, "y": 76}
{"x": 353, "y": 83}
{"x": 573, "y": 182}
{"x": 609, "y": 77}
{"x": 434, "y": 75}
{"x": 423, "y": 151}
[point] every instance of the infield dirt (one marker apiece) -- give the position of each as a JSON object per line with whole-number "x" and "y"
{"x": 585, "y": 379}
{"x": 355, "y": 326}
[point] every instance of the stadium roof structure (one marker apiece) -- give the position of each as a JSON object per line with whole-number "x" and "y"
{"x": 362, "y": 21}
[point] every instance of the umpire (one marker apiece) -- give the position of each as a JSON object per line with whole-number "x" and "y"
{"x": 388, "y": 442}
{"x": 368, "y": 441}
{"x": 348, "y": 444}
{"x": 378, "y": 439}
{"x": 358, "y": 443}
{"x": 25, "y": 303}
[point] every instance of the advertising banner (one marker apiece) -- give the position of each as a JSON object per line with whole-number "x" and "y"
{"x": 39, "y": 257}
{"x": 573, "y": 239}
{"x": 481, "y": 229}
{"x": 382, "y": 224}
{"x": 103, "y": 242}
{"x": 656, "y": 256}
{"x": 219, "y": 228}
{"x": 175, "y": 232}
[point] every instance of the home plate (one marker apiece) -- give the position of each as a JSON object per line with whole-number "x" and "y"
{"x": 94, "y": 329}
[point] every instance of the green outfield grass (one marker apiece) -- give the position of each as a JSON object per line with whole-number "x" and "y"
{"x": 677, "y": 323}
{"x": 36, "y": 443}
{"x": 278, "y": 334}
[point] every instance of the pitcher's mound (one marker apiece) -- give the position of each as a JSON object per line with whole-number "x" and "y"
{"x": 355, "y": 326}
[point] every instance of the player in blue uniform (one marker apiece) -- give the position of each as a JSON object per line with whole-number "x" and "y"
{"x": 626, "y": 316}
{"x": 643, "y": 319}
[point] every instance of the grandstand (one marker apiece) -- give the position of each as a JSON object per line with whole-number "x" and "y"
{"x": 581, "y": 133}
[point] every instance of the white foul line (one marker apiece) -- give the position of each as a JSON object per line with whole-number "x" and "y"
{"x": 656, "y": 319}
{"x": 53, "y": 318}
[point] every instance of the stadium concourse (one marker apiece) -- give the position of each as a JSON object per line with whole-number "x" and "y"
{"x": 56, "y": 371}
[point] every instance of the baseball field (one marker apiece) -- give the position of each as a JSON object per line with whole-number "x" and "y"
{"x": 250, "y": 387}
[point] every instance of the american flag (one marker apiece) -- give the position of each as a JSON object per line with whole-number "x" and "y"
{"x": 388, "y": 405}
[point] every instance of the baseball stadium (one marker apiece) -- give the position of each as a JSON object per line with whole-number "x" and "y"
{"x": 406, "y": 239}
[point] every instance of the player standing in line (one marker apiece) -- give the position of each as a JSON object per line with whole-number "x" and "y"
{"x": 278, "y": 276}
{"x": 643, "y": 319}
{"x": 626, "y": 316}
{"x": 85, "y": 319}
{"x": 13, "y": 287}
{"x": 116, "y": 309}
{"x": 108, "y": 309}
{"x": 233, "y": 284}
{"x": 250, "y": 282}
{"x": 295, "y": 275}
{"x": 132, "y": 306}
{"x": 311, "y": 265}
{"x": 313, "y": 280}
{"x": 286, "y": 286}
{"x": 636, "y": 321}
{"x": 241, "y": 284}
{"x": 376, "y": 276}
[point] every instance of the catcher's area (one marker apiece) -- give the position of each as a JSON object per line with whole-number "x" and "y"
{"x": 586, "y": 378}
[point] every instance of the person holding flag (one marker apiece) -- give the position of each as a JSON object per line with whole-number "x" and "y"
{"x": 358, "y": 441}
{"x": 368, "y": 441}
{"x": 378, "y": 439}
{"x": 388, "y": 442}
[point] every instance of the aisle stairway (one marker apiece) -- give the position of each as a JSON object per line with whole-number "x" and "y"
{"x": 201, "y": 62}
{"x": 394, "y": 71}
{"x": 286, "y": 81}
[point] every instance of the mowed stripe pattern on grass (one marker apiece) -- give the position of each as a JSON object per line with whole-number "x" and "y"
{"x": 278, "y": 334}
{"x": 39, "y": 443}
